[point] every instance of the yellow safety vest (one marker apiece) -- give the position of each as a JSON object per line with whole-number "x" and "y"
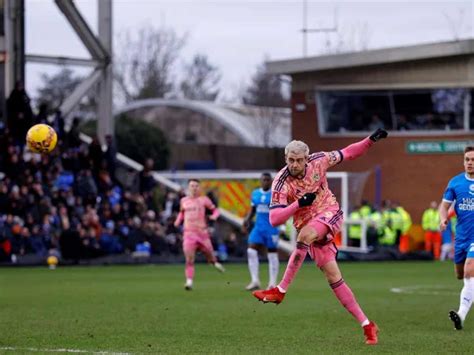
{"x": 375, "y": 219}
{"x": 406, "y": 219}
{"x": 397, "y": 219}
{"x": 365, "y": 211}
{"x": 389, "y": 236}
{"x": 355, "y": 231}
{"x": 430, "y": 220}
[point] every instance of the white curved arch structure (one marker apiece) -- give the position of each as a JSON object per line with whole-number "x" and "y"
{"x": 235, "y": 122}
{"x": 244, "y": 127}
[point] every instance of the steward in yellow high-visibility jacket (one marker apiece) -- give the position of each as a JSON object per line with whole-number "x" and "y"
{"x": 355, "y": 230}
{"x": 430, "y": 223}
{"x": 404, "y": 241}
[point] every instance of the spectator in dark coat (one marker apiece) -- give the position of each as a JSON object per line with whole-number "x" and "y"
{"x": 19, "y": 113}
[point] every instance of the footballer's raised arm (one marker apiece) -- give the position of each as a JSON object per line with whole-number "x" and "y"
{"x": 358, "y": 149}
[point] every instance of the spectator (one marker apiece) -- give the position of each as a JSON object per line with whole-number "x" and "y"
{"x": 402, "y": 123}
{"x": 110, "y": 156}
{"x": 71, "y": 244}
{"x": 170, "y": 206}
{"x": 355, "y": 230}
{"x": 95, "y": 156}
{"x": 172, "y": 236}
{"x": 42, "y": 116}
{"x": 376, "y": 123}
{"x": 147, "y": 182}
{"x": 109, "y": 241}
{"x": 19, "y": 113}
{"x": 58, "y": 124}
{"x": 86, "y": 187}
{"x": 73, "y": 140}
{"x": 430, "y": 223}
{"x": 5, "y": 242}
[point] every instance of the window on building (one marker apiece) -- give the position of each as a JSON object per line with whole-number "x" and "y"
{"x": 396, "y": 110}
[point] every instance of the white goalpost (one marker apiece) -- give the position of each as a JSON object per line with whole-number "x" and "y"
{"x": 348, "y": 188}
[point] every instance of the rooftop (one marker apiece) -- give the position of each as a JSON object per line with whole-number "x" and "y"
{"x": 372, "y": 57}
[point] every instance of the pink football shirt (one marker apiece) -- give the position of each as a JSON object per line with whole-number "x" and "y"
{"x": 286, "y": 189}
{"x": 194, "y": 209}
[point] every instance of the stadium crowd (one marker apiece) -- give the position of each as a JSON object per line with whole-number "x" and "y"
{"x": 71, "y": 202}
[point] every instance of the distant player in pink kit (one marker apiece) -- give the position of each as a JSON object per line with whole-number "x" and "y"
{"x": 301, "y": 190}
{"x": 196, "y": 234}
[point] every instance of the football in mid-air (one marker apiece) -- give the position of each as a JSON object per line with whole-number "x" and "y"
{"x": 41, "y": 138}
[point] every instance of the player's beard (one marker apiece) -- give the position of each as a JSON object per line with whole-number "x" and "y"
{"x": 296, "y": 173}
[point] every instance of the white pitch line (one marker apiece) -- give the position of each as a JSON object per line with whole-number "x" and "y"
{"x": 11, "y": 348}
{"x": 435, "y": 290}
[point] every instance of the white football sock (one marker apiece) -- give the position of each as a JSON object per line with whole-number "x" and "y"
{"x": 252, "y": 257}
{"x": 467, "y": 293}
{"x": 445, "y": 250}
{"x": 273, "y": 268}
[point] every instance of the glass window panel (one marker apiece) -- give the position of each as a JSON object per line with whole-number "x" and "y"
{"x": 354, "y": 111}
{"x": 426, "y": 109}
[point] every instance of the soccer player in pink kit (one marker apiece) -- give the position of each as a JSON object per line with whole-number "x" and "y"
{"x": 301, "y": 190}
{"x": 196, "y": 234}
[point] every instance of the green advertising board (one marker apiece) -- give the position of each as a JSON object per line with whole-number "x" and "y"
{"x": 436, "y": 147}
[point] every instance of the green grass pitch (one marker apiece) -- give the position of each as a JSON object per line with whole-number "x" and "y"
{"x": 144, "y": 309}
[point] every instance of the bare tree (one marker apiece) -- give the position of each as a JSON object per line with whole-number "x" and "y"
{"x": 265, "y": 89}
{"x": 265, "y": 124}
{"x": 457, "y": 23}
{"x": 57, "y": 87}
{"x": 145, "y": 61}
{"x": 354, "y": 38}
{"x": 201, "y": 79}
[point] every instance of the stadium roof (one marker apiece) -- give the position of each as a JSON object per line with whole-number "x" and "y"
{"x": 372, "y": 57}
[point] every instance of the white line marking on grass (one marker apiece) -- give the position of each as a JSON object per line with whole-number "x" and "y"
{"x": 432, "y": 290}
{"x": 11, "y": 348}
